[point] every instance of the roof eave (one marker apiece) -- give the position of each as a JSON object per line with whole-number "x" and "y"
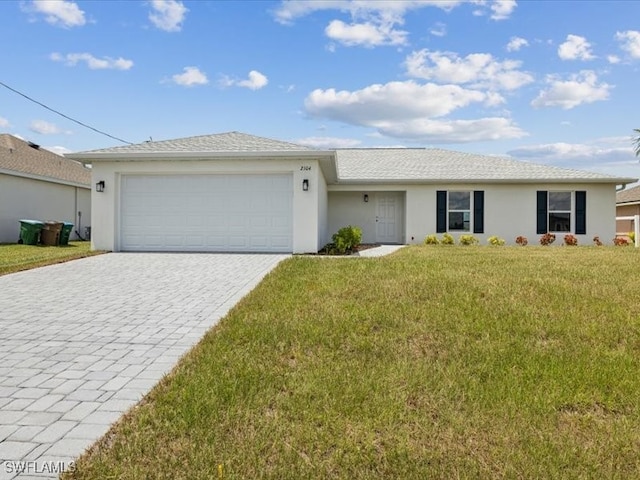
{"x": 431, "y": 181}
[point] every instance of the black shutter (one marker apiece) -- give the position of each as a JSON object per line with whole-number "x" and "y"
{"x": 478, "y": 211}
{"x": 581, "y": 213}
{"x": 542, "y": 214}
{"x": 441, "y": 211}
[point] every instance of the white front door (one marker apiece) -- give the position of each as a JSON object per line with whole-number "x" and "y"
{"x": 388, "y": 218}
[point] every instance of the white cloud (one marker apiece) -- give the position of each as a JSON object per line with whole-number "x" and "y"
{"x": 44, "y": 128}
{"x": 191, "y": 77}
{"x": 4, "y": 123}
{"x": 598, "y": 154}
{"x": 366, "y": 34}
{"x": 407, "y": 110}
{"x": 58, "y": 150}
{"x": 92, "y": 62}
{"x": 373, "y": 22}
{"x": 290, "y": 10}
{"x": 516, "y": 43}
{"x": 168, "y": 15}
{"x": 61, "y": 13}
{"x": 613, "y": 59}
{"x": 454, "y": 131}
{"x": 477, "y": 69}
{"x": 575, "y": 48}
{"x": 630, "y": 42}
{"x": 438, "y": 30}
{"x": 502, "y": 9}
{"x": 580, "y": 88}
{"x": 256, "y": 81}
{"x": 328, "y": 142}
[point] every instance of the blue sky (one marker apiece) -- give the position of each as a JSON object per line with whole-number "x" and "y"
{"x": 552, "y": 82}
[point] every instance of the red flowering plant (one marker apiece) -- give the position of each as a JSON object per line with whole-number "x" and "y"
{"x": 570, "y": 240}
{"x": 596, "y": 241}
{"x": 547, "y": 239}
{"x": 522, "y": 241}
{"x": 620, "y": 242}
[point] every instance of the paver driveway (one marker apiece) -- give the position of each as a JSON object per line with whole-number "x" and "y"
{"x": 83, "y": 341}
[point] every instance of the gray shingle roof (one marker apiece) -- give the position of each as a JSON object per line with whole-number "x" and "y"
{"x": 630, "y": 195}
{"x": 436, "y": 165}
{"x": 18, "y": 156}
{"x": 221, "y": 142}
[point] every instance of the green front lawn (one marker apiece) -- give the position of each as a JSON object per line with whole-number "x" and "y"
{"x": 14, "y": 258}
{"x": 435, "y": 362}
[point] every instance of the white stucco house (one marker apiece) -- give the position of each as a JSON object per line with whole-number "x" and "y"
{"x": 37, "y": 184}
{"x": 234, "y": 192}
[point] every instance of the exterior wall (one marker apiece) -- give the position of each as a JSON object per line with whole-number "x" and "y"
{"x": 106, "y": 205}
{"x": 323, "y": 211}
{"x": 25, "y": 198}
{"x": 626, "y": 226}
{"x": 509, "y": 209}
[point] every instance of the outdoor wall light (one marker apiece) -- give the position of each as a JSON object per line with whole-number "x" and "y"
{"x": 366, "y": 197}
{"x": 305, "y": 185}
{"x": 100, "y": 186}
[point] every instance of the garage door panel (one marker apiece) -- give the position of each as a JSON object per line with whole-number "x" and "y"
{"x": 206, "y": 213}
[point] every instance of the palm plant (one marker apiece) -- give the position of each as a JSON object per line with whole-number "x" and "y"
{"x": 636, "y": 141}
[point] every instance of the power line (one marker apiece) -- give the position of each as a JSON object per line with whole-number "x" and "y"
{"x": 63, "y": 115}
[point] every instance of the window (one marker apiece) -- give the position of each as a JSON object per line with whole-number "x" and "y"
{"x": 559, "y": 211}
{"x": 562, "y": 212}
{"x": 459, "y": 211}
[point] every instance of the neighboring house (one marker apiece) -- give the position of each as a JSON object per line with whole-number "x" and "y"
{"x": 37, "y": 184}
{"x": 627, "y": 205}
{"x": 241, "y": 193}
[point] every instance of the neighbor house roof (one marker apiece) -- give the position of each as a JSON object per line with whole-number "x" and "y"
{"x": 26, "y": 159}
{"x": 401, "y": 165}
{"x": 630, "y": 195}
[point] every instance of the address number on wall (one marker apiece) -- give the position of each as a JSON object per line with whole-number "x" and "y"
{"x": 305, "y": 168}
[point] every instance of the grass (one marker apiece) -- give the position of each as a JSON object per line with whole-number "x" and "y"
{"x": 435, "y": 362}
{"x": 14, "y": 257}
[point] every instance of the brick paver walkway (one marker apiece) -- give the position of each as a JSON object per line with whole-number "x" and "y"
{"x": 81, "y": 342}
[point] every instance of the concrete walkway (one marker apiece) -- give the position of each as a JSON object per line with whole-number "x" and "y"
{"x": 81, "y": 342}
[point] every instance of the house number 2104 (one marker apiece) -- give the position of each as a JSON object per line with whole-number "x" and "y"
{"x": 305, "y": 168}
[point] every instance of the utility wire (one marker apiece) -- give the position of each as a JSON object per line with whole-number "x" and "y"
{"x": 63, "y": 115}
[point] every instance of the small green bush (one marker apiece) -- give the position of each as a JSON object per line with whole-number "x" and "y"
{"x": 632, "y": 236}
{"x": 496, "y": 241}
{"x": 468, "y": 240}
{"x": 447, "y": 239}
{"x": 431, "y": 240}
{"x": 347, "y": 239}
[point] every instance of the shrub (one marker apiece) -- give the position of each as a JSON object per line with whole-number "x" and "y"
{"x": 596, "y": 241}
{"x": 620, "y": 242}
{"x": 570, "y": 240}
{"x": 547, "y": 239}
{"x": 447, "y": 239}
{"x": 495, "y": 240}
{"x": 468, "y": 240}
{"x": 431, "y": 240}
{"x": 522, "y": 241}
{"x": 632, "y": 236}
{"x": 347, "y": 239}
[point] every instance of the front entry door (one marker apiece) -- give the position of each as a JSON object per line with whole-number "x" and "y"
{"x": 388, "y": 218}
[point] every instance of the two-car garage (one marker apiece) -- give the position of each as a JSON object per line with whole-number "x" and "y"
{"x": 206, "y": 213}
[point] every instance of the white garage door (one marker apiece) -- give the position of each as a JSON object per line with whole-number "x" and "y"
{"x": 199, "y": 213}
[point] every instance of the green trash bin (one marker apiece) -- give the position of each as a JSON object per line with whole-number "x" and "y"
{"x": 30, "y": 231}
{"x": 65, "y": 233}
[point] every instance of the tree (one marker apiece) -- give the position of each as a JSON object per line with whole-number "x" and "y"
{"x": 636, "y": 141}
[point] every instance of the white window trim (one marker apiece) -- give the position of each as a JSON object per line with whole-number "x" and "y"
{"x": 470, "y": 210}
{"x": 571, "y": 211}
